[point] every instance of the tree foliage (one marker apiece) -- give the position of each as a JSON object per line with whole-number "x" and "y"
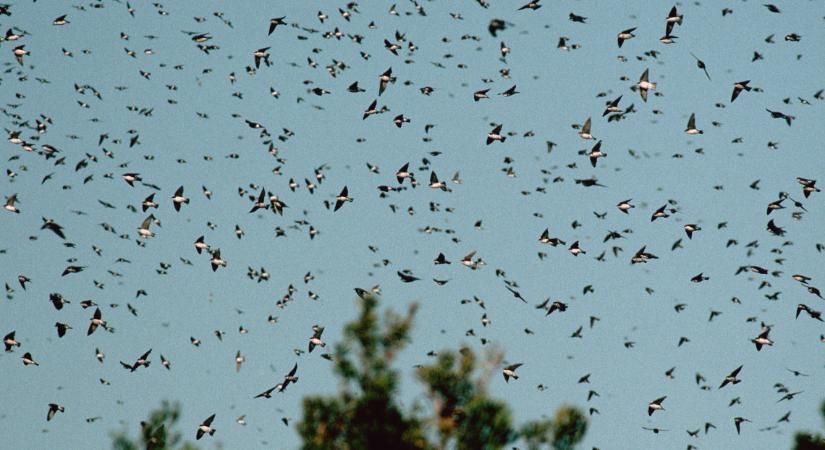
{"x": 365, "y": 413}
{"x": 158, "y": 432}
{"x": 808, "y": 441}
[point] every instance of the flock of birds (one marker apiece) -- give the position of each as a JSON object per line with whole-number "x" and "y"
{"x": 100, "y": 158}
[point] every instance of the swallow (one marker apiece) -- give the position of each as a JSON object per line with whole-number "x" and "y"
{"x": 9, "y": 342}
{"x": 495, "y": 135}
{"x": 478, "y": 95}
{"x": 274, "y": 22}
{"x": 584, "y": 133}
{"x": 625, "y": 206}
{"x": 10, "y": 201}
{"x": 808, "y": 186}
{"x": 239, "y": 360}
{"x": 315, "y": 340}
{"x": 575, "y": 250}
{"x": 731, "y": 378}
{"x": 178, "y": 199}
{"x": 143, "y": 360}
{"x": 737, "y": 421}
{"x": 216, "y": 260}
{"x": 673, "y": 18}
{"x": 701, "y": 64}
{"x": 762, "y": 339}
{"x": 262, "y": 54}
{"x": 19, "y": 52}
{"x": 200, "y": 245}
{"x": 691, "y": 228}
{"x": 596, "y": 153}
{"x": 385, "y": 79}
{"x": 29, "y": 359}
{"x": 143, "y": 230}
{"x": 655, "y": 405}
{"x": 342, "y": 198}
{"x": 691, "y": 126}
{"x": 95, "y": 321}
{"x": 510, "y": 372}
{"x": 403, "y": 173}
{"x": 131, "y": 177}
{"x": 644, "y": 85}
{"x": 534, "y": 5}
{"x": 780, "y": 115}
{"x": 509, "y": 92}
{"x": 660, "y": 213}
{"x": 54, "y": 408}
{"x": 149, "y": 202}
{"x": 54, "y": 227}
{"x": 738, "y": 87}
{"x": 372, "y": 109}
{"x": 435, "y": 183}
{"x": 205, "y": 427}
{"x": 625, "y": 35}
{"x": 612, "y": 106}
{"x": 775, "y": 205}
{"x": 288, "y": 378}
{"x": 546, "y": 239}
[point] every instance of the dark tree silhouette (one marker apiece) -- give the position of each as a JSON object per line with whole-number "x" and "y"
{"x": 365, "y": 414}
{"x": 808, "y": 441}
{"x": 158, "y": 432}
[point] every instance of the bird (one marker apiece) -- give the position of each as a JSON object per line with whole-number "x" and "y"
{"x": 178, "y": 199}
{"x": 54, "y": 408}
{"x": 596, "y": 153}
{"x": 645, "y": 85}
{"x": 95, "y": 321}
{"x": 28, "y": 359}
{"x": 731, "y": 378}
{"x": 701, "y": 65}
{"x": 625, "y": 35}
{"x": 342, "y": 198}
{"x": 691, "y": 126}
{"x": 205, "y": 427}
{"x": 738, "y": 87}
{"x": 142, "y": 360}
{"x": 274, "y": 23}
{"x": 737, "y": 421}
{"x": 495, "y": 135}
{"x": 655, "y": 405}
{"x": 510, "y": 372}
{"x": 216, "y": 260}
{"x": 762, "y": 339}
{"x": 10, "y": 201}
{"x": 9, "y": 342}
{"x": 239, "y": 360}
{"x": 315, "y": 340}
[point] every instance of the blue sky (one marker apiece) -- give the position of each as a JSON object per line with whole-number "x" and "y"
{"x": 557, "y": 89}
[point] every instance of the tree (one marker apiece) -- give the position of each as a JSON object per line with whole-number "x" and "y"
{"x": 365, "y": 413}
{"x": 807, "y": 441}
{"x": 156, "y": 433}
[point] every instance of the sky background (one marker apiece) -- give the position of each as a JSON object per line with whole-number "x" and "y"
{"x": 557, "y": 89}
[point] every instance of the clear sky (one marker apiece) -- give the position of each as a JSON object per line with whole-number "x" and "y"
{"x": 708, "y": 183}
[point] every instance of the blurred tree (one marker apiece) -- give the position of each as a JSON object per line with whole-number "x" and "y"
{"x": 808, "y": 441}
{"x": 156, "y": 433}
{"x": 365, "y": 413}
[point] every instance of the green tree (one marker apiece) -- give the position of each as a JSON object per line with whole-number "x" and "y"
{"x": 808, "y": 441}
{"x": 158, "y": 432}
{"x": 365, "y": 413}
